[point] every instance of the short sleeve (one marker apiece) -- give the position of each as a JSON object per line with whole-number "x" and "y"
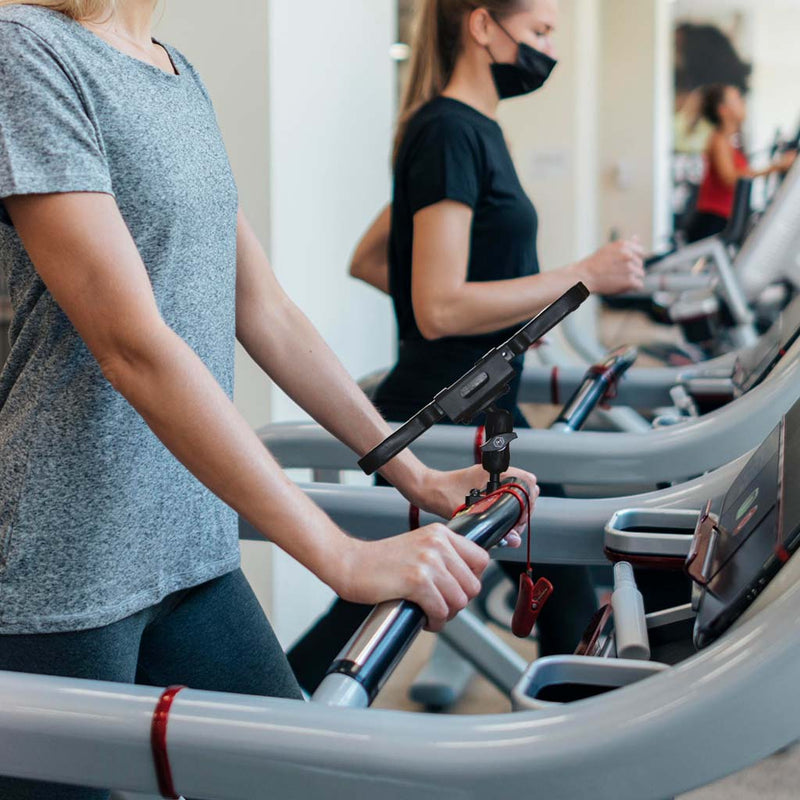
{"x": 48, "y": 142}
{"x": 444, "y": 164}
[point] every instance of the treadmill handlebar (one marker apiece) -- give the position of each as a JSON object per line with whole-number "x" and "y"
{"x": 480, "y": 387}
{"x": 599, "y": 384}
{"x": 368, "y": 660}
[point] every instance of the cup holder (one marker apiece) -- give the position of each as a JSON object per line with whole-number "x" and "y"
{"x": 651, "y": 536}
{"x": 556, "y": 680}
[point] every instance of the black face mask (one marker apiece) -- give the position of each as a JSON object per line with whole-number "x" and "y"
{"x": 529, "y": 73}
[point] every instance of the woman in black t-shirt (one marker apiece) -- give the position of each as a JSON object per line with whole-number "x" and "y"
{"x": 457, "y": 248}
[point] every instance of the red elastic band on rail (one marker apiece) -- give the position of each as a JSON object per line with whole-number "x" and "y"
{"x": 554, "y": 397}
{"x": 480, "y": 438}
{"x": 413, "y": 518}
{"x": 522, "y": 496}
{"x": 158, "y": 742}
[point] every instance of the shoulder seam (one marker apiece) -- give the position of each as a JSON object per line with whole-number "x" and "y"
{"x": 59, "y": 61}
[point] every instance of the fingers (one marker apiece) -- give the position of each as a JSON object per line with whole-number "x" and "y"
{"x": 527, "y": 478}
{"x": 636, "y": 247}
{"x": 430, "y": 600}
{"x": 512, "y": 541}
{"x": 475, "y": 558}
{"x": 444, "y": 577}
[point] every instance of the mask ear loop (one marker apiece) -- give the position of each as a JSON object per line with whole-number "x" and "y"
{"x": 502, "y": 28}
{"x": 500, "y": 25}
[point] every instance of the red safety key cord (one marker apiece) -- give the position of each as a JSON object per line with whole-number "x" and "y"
{"x": 532, "y": 594}
{"x": 158, "y": 742}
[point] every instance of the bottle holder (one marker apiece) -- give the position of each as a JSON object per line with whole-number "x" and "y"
{"x": 556, "y": 680}
{"x": 651, "y": 537}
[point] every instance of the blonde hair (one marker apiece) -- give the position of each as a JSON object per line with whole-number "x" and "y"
{"x": 434, "y": 51}
{"x": 77, "y": 9}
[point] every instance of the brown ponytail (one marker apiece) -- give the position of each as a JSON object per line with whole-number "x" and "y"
{"x": 434, "y": 51}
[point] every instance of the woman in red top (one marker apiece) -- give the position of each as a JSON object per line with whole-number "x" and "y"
{"x": 726, "y": 162}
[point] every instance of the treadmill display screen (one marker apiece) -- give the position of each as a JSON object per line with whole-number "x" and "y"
{"x": 747, "y": 506}
{"x": 759, "y": 528}
{"x": 753, "y": 366}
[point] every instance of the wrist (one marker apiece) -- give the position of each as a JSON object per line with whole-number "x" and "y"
{"x": 344, "y": 567}
{"x": 408, "y": 475}
{"x": 580, "y": 271}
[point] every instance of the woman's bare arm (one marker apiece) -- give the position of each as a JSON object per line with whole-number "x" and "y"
{"x": 447, "y": 304}
{"x": 85, "y": 255}
{"x": 282, "y": 341}
{"x": 370, "y": 261}
{"x": 720, "y": 155}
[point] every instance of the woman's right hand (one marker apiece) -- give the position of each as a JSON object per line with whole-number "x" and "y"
{"x": 433, "y": 567}
{"x": 616, "y": 268}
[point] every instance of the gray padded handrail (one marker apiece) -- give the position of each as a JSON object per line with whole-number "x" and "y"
{"x": 642, "y": 387}
{"x": 584, "y": 458}
{"x": 564, "y": 531}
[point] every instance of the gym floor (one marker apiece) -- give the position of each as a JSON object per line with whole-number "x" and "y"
{"x": 777, "y": 778}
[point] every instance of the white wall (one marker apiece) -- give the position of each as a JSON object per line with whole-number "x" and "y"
{"x": 331, "y": 117}
{"x": 775, "y": 99}
{"x": 552, "y": 136}
{"x": 553, "y": 139}
{"x": 634, "y": 105}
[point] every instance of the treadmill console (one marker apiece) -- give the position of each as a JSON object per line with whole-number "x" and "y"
{"x": 758, "y": 529}
{"x": 756, "y": 363}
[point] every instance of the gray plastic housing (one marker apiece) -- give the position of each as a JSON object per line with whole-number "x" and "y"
{"x": 654, "y": 532}
{"x": 588, "y": 675}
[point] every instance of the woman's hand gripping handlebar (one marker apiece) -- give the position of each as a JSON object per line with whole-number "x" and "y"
{"x": 365, "y": 664}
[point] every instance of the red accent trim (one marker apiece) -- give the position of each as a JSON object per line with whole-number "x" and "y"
{"x": 413, "y": 518}
{"x": 780, "y": 548}
{"x": 480, "y": 438}
{"x": 601, "y": 371}
{"x": 158, "y": 742}
{"x": 554, "y": 396}
{"x": 532, "y": 596}
{"x": 665, "y": 563}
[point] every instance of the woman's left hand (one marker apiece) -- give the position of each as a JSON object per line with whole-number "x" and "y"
{"x": 443, "y": 492}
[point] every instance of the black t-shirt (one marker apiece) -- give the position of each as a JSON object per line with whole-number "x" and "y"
{"x": 453, "y": 152}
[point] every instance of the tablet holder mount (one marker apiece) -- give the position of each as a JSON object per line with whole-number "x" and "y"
{"x": 476, "y": 392}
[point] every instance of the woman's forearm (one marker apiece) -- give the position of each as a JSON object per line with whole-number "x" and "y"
{"x": 283, "y": 342}
{"x": 342, "y": 408}
{"x": 475, "y": 308}
{"x": 375, "y": 273}
{"x": 370, "y": 262}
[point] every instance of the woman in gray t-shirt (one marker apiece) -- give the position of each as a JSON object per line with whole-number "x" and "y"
{"x": 123, "y": 462}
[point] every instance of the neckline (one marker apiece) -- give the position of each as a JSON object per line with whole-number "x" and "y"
{"x": 469, "y": 108}
{"x": 151, "y": 68}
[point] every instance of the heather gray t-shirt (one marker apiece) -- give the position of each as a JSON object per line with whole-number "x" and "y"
{"x": 97, "y": 519}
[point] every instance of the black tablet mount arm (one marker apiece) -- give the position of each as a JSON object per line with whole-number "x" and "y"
{"x": 476, "y": 392}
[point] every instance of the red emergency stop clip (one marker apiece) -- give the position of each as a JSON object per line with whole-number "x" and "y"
{"x": 530, "y": 601}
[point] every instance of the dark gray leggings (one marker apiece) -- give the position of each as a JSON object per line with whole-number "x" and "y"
{"x": 214, "y": 636}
